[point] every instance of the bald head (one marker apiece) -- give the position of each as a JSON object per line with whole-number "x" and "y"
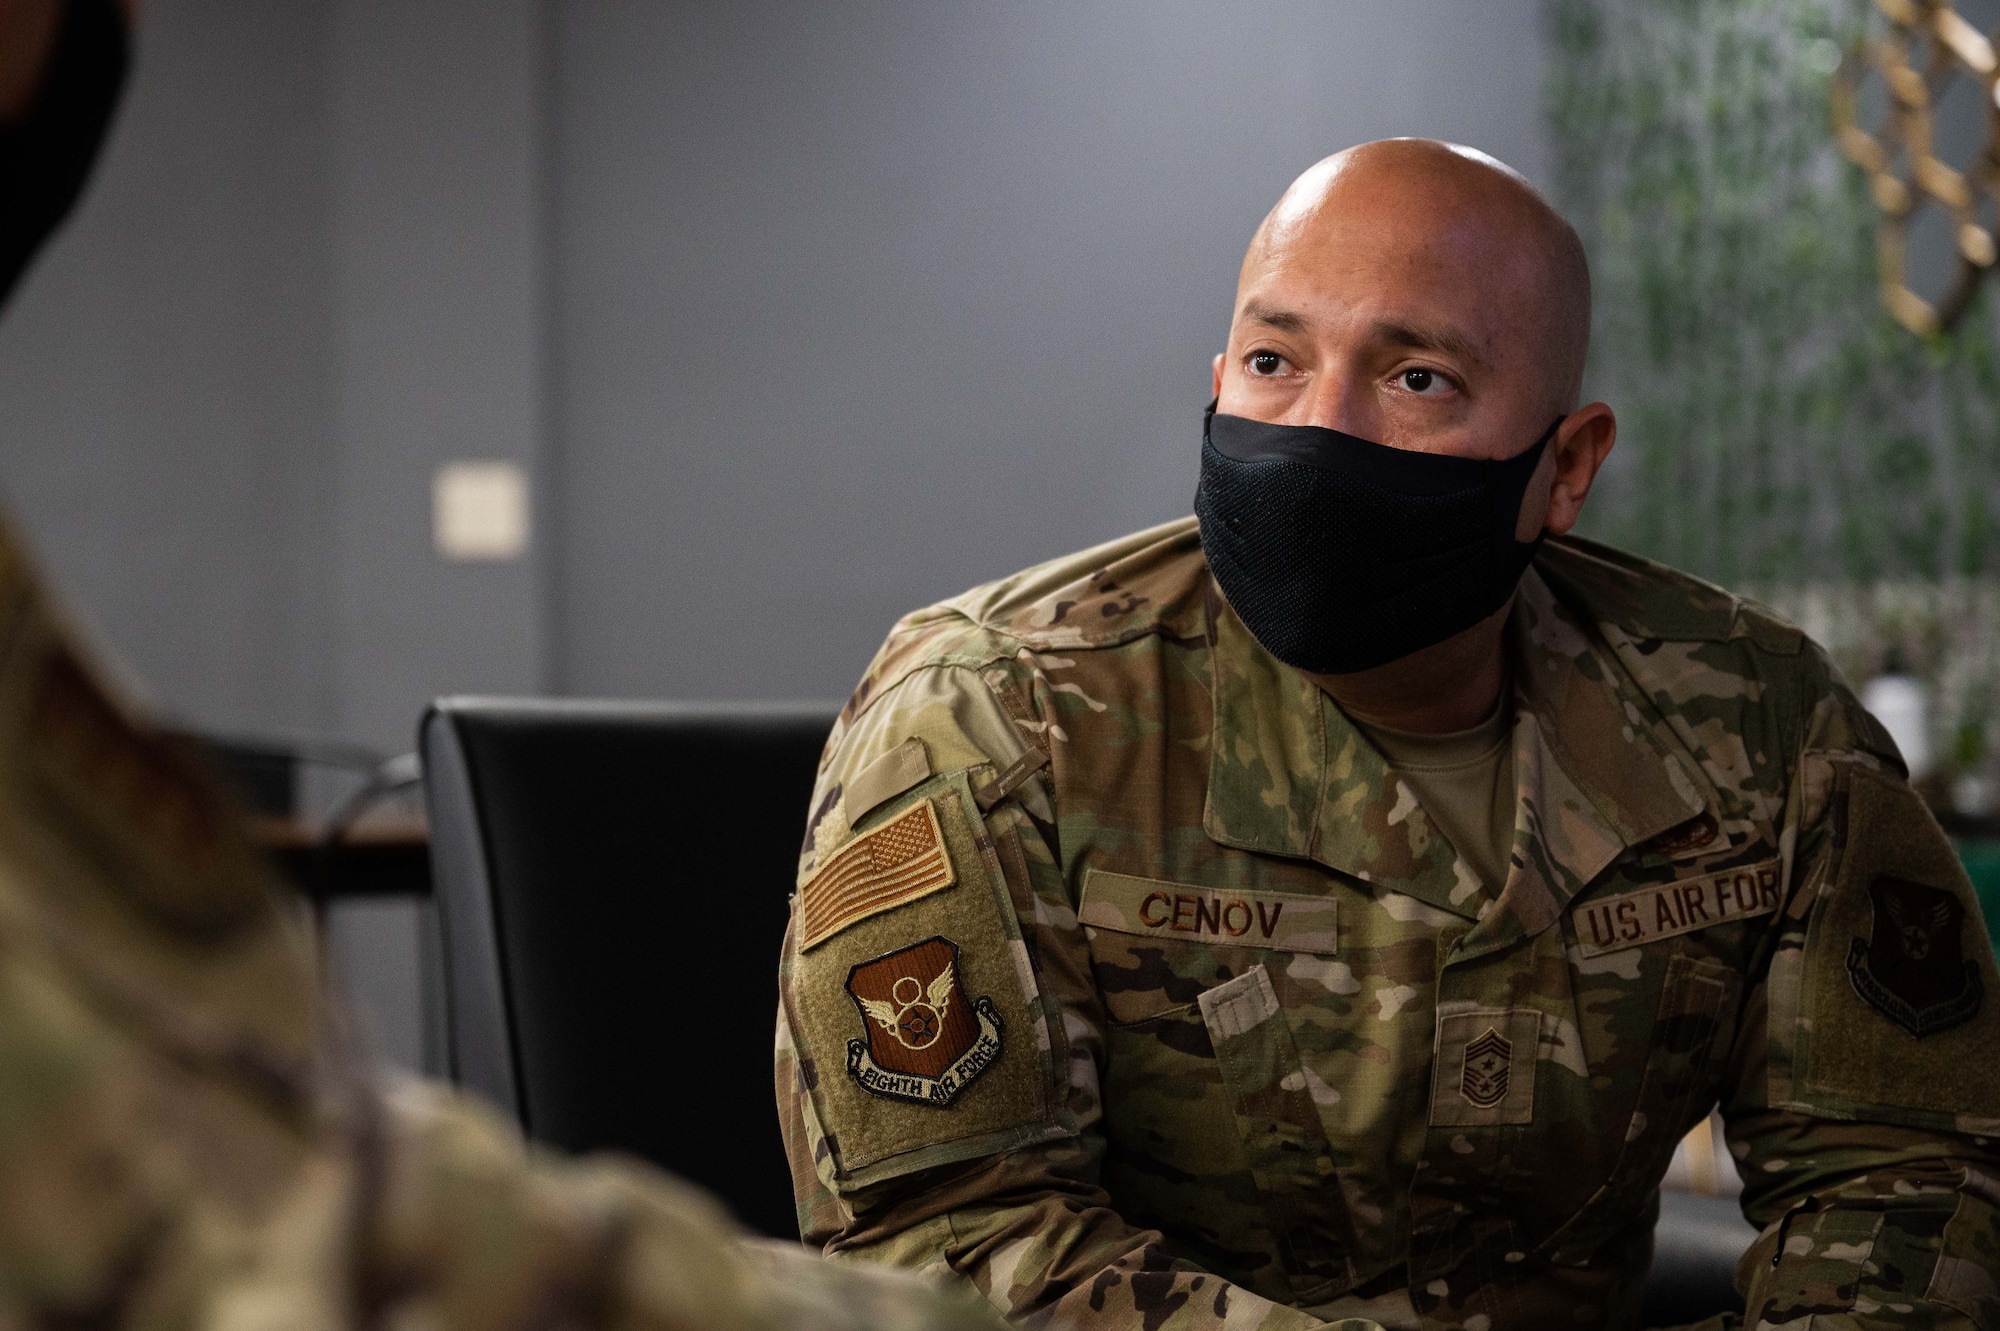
{"x": 1420, "y": 259}
{"x": 1467, "y": 217}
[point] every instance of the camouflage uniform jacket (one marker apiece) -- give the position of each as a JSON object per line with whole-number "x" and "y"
{"x": 1125, "y": 978}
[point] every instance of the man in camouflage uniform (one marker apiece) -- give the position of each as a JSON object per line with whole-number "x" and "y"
{"x": 1130, "y": 979}
{"x": 186, "y": 1138}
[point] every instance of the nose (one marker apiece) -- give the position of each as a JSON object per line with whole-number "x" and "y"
{"x": 1336, "y": 398}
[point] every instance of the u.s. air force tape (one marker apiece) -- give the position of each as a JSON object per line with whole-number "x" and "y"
{"x": 1632, "y": 919}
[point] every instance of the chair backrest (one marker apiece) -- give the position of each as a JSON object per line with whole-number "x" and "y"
{"x": 612, "y": 883}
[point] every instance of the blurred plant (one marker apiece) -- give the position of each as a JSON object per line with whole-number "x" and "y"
{"x": 1777, "y": 430}
{"x": 1776, "y": 425}
{"x": 1946, "y": 633}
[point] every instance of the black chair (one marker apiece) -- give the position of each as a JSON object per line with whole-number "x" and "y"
{"x": 611, "y": 881}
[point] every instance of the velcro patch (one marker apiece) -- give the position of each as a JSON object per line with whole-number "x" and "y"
{"x": 1633, "y": 919}
{"x": 898, "y": 862}
{"x": 1236, "y": 917}
{"x": 1852, "y": 1011}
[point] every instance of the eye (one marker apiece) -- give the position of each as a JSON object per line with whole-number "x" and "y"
{"x": 1422, "y": 382}
{"x": 1266, "y": 363}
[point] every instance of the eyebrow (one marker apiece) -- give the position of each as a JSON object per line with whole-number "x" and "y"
{"x": 1271, "y": 317}
{"x": 1442, "y": 340}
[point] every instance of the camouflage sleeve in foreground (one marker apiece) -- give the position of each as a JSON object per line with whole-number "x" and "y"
{"x": 482, "y": 1232}
{"x": 164, "y": 1166}
{"x": 1868, "y": 1089}
{"x": 187, "y": 1141}
{"x": 984, "y": 1162}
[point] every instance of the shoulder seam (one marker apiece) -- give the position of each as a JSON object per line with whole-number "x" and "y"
{"x": 891, "y": 685}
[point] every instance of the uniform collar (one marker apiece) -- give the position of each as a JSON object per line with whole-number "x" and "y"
{"x": 1596, "y": 774}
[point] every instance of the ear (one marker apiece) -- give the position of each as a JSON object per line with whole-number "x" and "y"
{"x": 1215, "y": 388}
{"x": 1582, "y": 442}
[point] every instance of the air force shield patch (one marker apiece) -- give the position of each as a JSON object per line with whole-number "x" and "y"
{"x": 1912, "y": 969}
{"x": 926, "y": 1041}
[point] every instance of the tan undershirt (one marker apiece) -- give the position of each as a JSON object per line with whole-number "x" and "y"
{"x": 1465, "y": 782}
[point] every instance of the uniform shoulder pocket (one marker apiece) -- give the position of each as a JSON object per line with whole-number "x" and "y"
{"x": 1896, "y": 1018}
{"x": 919, "y": 1023}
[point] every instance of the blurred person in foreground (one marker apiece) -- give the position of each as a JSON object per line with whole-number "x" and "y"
{"x": 1335, "y": 906}
{"x": 185, "y": 1137}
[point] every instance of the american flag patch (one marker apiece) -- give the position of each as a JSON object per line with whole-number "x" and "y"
{"x": 900, "y": 861}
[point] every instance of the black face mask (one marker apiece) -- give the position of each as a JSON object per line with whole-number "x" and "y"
{"x": 45, "y": 155}
{"x": 1340, "y": 555}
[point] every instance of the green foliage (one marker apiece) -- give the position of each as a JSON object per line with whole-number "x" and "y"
{"x": 1776, "y": 427}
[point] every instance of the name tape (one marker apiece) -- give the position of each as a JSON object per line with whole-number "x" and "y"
{"x": 1633, "y": 919}
{"x": 1282, "y": 921}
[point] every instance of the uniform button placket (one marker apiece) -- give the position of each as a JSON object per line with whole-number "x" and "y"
{"x": 1433, "y": 1217}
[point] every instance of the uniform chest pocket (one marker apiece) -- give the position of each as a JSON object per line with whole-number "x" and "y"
{"x": 1697, "y": 1000}
{"x": 1157, "y": 946}
{"x": 1204, "y": 1100}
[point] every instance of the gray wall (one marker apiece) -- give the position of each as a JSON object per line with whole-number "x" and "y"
{"x": 800, "y": 315}
{"x": 858, "y": 305}
{"x": 309, "y": 270}
{"x": 165, "y": 402}
{"x": 436, "y": 120}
